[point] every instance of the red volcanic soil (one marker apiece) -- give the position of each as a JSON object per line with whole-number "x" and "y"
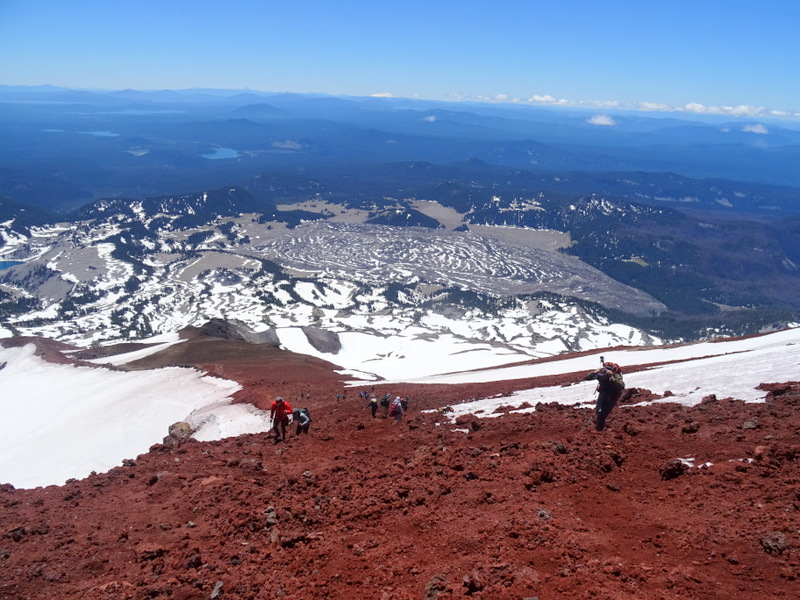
{"x": 514, "y": 507}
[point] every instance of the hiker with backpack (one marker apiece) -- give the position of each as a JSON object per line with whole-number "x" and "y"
{"x": 609, "y": 388}
{"x": 302, "y": 417}
{"x": 279, "y": 414}
{"x": 385, "y": 401}
{"x": 396, "y": 411}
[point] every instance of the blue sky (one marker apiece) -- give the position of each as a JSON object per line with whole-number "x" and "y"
{"x": 731, "y": 57}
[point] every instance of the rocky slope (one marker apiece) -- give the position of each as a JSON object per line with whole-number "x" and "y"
{"x": 519, "y": 506}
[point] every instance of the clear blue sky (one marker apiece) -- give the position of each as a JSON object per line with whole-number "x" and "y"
{"x": 700, "y": 54}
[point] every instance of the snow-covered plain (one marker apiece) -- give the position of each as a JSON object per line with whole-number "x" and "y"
{"x": 60, "y": 421}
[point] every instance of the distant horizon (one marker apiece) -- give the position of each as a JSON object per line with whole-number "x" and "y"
{"x": 689, "y": 113}
{"x": 734, "y": 58}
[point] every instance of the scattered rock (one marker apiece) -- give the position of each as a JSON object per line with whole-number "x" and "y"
{"x": 761, "y": 453}
{"x": 630, "y": 430}
{"x": 470, "y": 421}
{"x": 474, "y": 581}
{"x": 437, "y": 585}
{"x": 674, "y": 468}
{"x": 774, "y": 542}
{"x": 178, "y": 432}
{"x": 150, "y": 550}
{"x": 251, "y": 463}
{"x": 217, "y": 592}
{"x": 691, "y": 427}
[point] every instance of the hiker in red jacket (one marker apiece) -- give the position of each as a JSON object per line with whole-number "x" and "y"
{"x": 279, "y": 413}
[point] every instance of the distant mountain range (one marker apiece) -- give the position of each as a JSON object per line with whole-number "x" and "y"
{"x": 60, "y": 148}
{"x": 323, "y": 208}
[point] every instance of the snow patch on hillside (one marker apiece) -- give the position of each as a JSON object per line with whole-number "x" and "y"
{"x": 60, "y": 421}
{"x": 729, "y": 369}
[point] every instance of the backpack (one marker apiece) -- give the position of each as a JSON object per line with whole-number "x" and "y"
{"x": 617, "y": 382}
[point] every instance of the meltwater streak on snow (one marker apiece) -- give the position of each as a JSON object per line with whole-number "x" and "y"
{"x": 62, "y": 421}
{"x": 159, "y": 343}
{"x": 738, "y": 367}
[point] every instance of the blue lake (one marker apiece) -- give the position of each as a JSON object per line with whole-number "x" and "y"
{"x": 7, "y": 264}
{"x": 222, "y": 153}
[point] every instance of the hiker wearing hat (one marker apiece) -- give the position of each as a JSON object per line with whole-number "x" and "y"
{"x": 373, "y": 405}
{"x": 279, "y": 413}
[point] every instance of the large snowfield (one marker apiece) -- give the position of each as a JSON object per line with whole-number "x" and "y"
{"x": 60, "y": 421}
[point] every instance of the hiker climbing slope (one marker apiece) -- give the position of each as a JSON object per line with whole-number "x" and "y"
{"x": 302, "y": 417}
{"x": 609, "y": 388}
{"x": 279, "y": 413}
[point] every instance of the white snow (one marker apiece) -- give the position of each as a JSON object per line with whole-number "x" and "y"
{"x": 60, "y": 421}
{"x": 729, "y": 369}
{"x": 406, "y": 354}
{"x": 154, "y": 344}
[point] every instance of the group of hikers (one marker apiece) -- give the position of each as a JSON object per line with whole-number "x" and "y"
{"x": 281, "y": 410}
{"x": 279, "y": 415}
{"x": 391, "y": 408}
{"x": 609, "y": 389}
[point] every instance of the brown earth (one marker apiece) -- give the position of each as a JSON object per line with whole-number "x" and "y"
{"x": 514, "y": 507}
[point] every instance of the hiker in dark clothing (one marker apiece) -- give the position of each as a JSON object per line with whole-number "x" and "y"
{"x": 303, "y": 419}
{"x": 373, "y": 405}
{"x": 385, "y": 402}
{"x": 609, "y": 389}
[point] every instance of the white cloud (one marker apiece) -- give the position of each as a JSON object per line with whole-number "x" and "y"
{"x": 741, "y": 110}
{"x": 382, "y": 95}
{"x": 654, "y": 106}
{"x": 601, "y": 120}
{"x": 600, "y": 103}
{"x": 429, "y": 119}
{"x": 546, "y": 99}
{"x": 756, "y": 128}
